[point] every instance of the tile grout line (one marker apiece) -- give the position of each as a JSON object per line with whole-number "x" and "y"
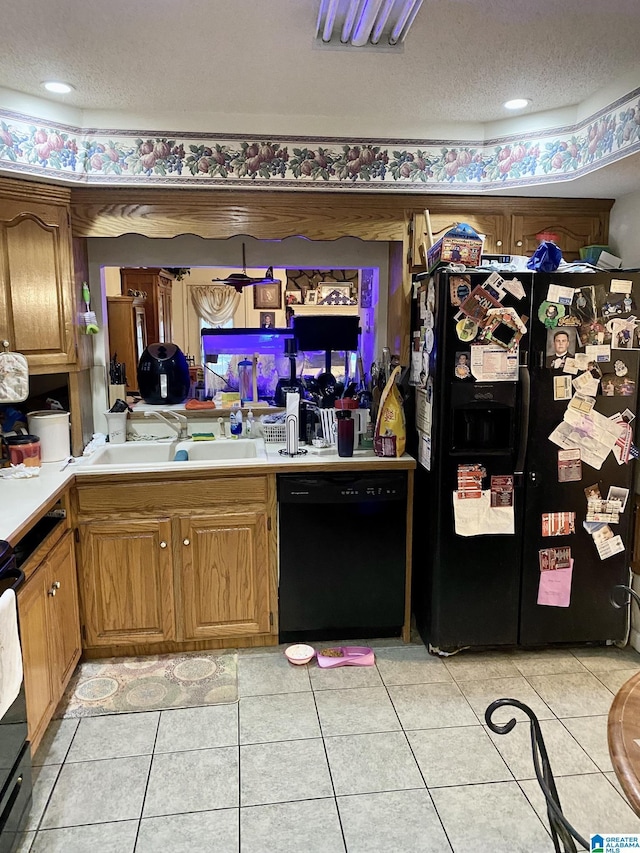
{"x": 240, "y": 806}
{"x": 326, "y": 757}
{"x": 62, "y": 764}
{"x": 426, "y": 787}
{"x": 146, "y": 787}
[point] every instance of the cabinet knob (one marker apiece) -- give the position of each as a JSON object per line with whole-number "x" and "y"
{"x": 51, "y": 591}
{"x": 163, "y": 544}
{"x": 186, "y": 542}
{"x": 56, "y": 585}
{"x": 498, "y": 243}
{"x": 518, "y": 243}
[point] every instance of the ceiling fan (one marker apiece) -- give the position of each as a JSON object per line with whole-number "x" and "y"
{"x": 241, "y": 279}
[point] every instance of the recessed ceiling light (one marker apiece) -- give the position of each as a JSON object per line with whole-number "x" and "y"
{"x": 517, "y": 104}
{"x": 57, "y": 87}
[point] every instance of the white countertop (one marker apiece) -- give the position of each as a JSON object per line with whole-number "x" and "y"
{"x": 23, "y": 501}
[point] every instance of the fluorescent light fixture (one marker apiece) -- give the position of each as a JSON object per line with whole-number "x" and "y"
{"x": 57, "y": 87}
{"x": 366, "y": 22}
{"x": 517, "y": 104}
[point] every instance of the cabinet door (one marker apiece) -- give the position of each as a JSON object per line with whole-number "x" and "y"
{"x": 64, "y": 616}
{"x": 33, "y": 605}
{"x": 569, "y": 231}
{"x": 36, "y": 285}
{"x": 123, "y": 335}
{"x": 126, "y": 582}
{"x": 224, "y": 575}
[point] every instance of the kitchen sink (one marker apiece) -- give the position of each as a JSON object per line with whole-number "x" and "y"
{"x": 205, "y": 451}
{"x": 132, "y": 453}
{"x": 163, "y": 453}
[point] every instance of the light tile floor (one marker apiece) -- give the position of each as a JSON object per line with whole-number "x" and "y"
{"x": 391, "y": 759}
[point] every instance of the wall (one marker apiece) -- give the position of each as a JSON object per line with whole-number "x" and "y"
{"x": 623, "y": 229}
{"x": 623, "y": 239}
{"x": 190, "y": 251}
{"x": 185, "y": 321}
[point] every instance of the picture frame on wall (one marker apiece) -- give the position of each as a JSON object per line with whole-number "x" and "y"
{"x": 293, "y": 297}
{"x": 325, "y": 288}
{"x": 267, "y": 320}
{"x": 267, "y": 296}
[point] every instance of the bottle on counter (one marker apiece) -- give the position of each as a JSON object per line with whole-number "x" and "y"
{"x": 235, "y": 423}
{"x": 249, "y": 428}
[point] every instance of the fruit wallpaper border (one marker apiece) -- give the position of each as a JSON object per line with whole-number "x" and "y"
{"x": 121, "y": 158}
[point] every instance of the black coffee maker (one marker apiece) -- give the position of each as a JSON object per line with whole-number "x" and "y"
{"x": 163, "y": 375}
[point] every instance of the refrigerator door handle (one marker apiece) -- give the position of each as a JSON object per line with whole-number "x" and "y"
{"x": 525, "y": 385}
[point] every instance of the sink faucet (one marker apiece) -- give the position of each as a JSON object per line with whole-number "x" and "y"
{"x": 179, "y": 425}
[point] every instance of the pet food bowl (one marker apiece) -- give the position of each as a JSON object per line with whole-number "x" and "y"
{"x": 299, "y": 653}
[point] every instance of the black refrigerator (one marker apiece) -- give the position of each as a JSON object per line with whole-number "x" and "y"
{"x": 501, "y": 553}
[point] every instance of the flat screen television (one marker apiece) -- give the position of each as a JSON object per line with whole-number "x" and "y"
{"x": 313, "y": 332}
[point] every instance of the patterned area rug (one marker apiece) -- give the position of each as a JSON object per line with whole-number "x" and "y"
{"x": 150, "y": 683}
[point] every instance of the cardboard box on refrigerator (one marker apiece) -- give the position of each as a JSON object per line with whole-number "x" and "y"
{"x": 460, "y": 245}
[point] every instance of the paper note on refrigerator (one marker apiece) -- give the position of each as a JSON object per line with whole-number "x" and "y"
{"x": 608, "y": 547}
{"x": 424, "y": 450}
{"x": 620, "y": 285}
{"x": 559, "y": 294}
{"x": 514, "y": 286}
{"x": 554, "y": 589}
{"x": 598, "y": 352}
{"x": 491, "y": 363}
{"x": 479, "y": 518}
{"x": 592, "y": 433}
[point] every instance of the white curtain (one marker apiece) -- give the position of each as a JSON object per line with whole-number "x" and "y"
{"x": 215, "y": 303}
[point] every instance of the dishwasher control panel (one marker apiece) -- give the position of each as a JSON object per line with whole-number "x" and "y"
{"x": 343, "y": 488}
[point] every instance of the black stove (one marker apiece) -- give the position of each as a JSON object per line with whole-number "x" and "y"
{"x": 15, "y": 756}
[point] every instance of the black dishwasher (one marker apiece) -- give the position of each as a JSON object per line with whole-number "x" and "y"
{"x": 342, "y": 555}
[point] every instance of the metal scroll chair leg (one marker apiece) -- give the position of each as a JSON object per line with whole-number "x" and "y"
{"x": 561, "y": 830}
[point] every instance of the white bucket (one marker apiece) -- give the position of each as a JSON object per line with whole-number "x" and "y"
{"x": 53, "y": 429}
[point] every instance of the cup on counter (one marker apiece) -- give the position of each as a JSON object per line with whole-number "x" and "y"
{"x": 346, "y": 432}
{"x": 116, "y": 427}
{"x": 23, "y": 449}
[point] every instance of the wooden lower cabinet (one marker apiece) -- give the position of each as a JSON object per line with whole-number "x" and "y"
{"x": 50, "y": 634}
{"x": 163, "y": 576}
{"x": 223, "y": 583}
{"x": 127, "y": 581}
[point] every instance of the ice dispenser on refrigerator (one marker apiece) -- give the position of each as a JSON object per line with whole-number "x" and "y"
{"x": 483, "y": 418}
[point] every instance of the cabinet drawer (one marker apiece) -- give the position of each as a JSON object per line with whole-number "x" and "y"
{"x": 163, "y": 496}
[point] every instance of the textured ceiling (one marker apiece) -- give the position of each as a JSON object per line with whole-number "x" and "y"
{"x": 247, "y": 58}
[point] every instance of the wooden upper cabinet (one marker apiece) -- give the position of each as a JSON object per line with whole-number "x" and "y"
{"x": 571, "y": 231}
{"x": 37, "y": 300}
{"x": 156, "y": 283}
{"x": 494, "y": 227}
{"x": 224, "y": 578}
